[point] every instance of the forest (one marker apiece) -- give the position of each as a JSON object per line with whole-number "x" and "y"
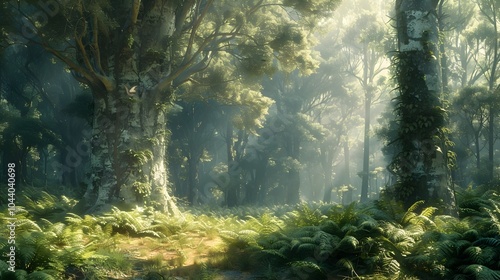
{"x": 249, "y": 139}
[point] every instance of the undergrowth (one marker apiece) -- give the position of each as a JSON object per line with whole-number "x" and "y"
{"x": 380, "y": 240}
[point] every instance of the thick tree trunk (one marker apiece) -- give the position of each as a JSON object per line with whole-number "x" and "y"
{"x": 128, "y": 158}
{"x": 422, "y": 165}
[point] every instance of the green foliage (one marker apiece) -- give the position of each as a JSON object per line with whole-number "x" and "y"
{"x": 45, "y": 249}
{"x": 329, "y": 240}
{"x": 308, "y": 241}
{"x": 461, "y": 249}
{"x": 61, "y": 248}
{"x": 136, "y": 158}
{"x": 316, "y": 243}
{"x": 132, "y": 223}
{"x": 42, "y": 204}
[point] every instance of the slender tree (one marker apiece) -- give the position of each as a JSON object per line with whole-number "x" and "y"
{"x": 490, "y": 10}
{"x": 364, "y": 47}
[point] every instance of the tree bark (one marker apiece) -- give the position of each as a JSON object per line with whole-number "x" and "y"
{"x": 128, "y": 158}
{"x": 347, "y": 196}
{"x": 327, "y": 153}
{"x": 366, "y": 149}
{"x": 422, "y": 164}
{"x": 292, "y": 147}
{"x": 492, "y": 82}
{"x": 192, "y": 178}
{"x": 491, "y": 141}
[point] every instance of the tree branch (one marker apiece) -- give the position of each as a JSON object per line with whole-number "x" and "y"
{"x": 135, "y": 11}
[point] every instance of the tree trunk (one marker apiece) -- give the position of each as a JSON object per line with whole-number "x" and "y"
{"x": 129, "y": 137}
{"x": 327, "y": 165}
{"x": 347, "y": 196}
{"x": 442, "y": 48}
{"x": 366, "y": 149}
{"x": 491, "y": 142}
{"x": 293, "y": 188}
{"x": 293, "y": 178}
{"x": 128, "y": 157}
{"x": 478, "y": 149}
{"x": 492, "y": 84}
{"x": 192, "y": 178}
{"x": 422, "y": 164}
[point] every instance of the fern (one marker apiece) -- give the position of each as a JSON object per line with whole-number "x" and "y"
{"x": 347, "y": 265}
{"x": 481, "y": 272}
{"x": 475, "y": 254}
{"x": 304, "y": 215}
{"x": 42, "y": 204}
{"x": 306, "y": 270}
{"x": 487, "y": 241}
{"x": 348, "y": 244}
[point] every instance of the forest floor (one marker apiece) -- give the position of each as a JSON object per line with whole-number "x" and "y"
{"x": 304, "y": 241}
{"x": 186, "y": 256}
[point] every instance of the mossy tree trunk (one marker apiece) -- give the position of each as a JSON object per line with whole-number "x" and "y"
{"x": 129, "y": 139}
{"x": 422, "y": 165}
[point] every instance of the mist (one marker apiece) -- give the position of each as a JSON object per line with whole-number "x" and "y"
{"x": 289, "y": 135}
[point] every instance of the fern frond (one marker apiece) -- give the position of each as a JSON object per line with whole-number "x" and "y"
{"x": 487, "y": 241}
{"x": 475, "y": 254}
{"x": 447, "y": 248}
{"x": 330, "y": 227}
{"x": 347, "y": 264}
{"x": 27, "y": 225}
{"x": 348, "y": 244}
{"x": 306, "y": 248}
{"x": 415, "y": 206}
{"x": 428, "y": 212}
{"x": 481, "y": 272}
{"x": 42, "y": 275}
{"x": 278, "y": 244}
{"x": 393, "y": 268}
{"x": 305, "y": 267}
{"x": 272, "y": 254}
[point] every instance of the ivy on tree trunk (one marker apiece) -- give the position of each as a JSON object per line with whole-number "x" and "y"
{"x": 423, "y": 162}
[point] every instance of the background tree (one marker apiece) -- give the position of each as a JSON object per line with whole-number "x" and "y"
{"x": 364, "y": 48}
{"x": 42, "y": 124}
{"x": 472, "y": 113}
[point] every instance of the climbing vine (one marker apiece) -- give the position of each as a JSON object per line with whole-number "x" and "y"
{"x": 422, "y": 141}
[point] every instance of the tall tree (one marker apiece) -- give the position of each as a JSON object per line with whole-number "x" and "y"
{"x": 133, "y": 55}
{"x": 490, "y": 9}
{"x": 422, "y": 163}
{"x": 364, "y": 52}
